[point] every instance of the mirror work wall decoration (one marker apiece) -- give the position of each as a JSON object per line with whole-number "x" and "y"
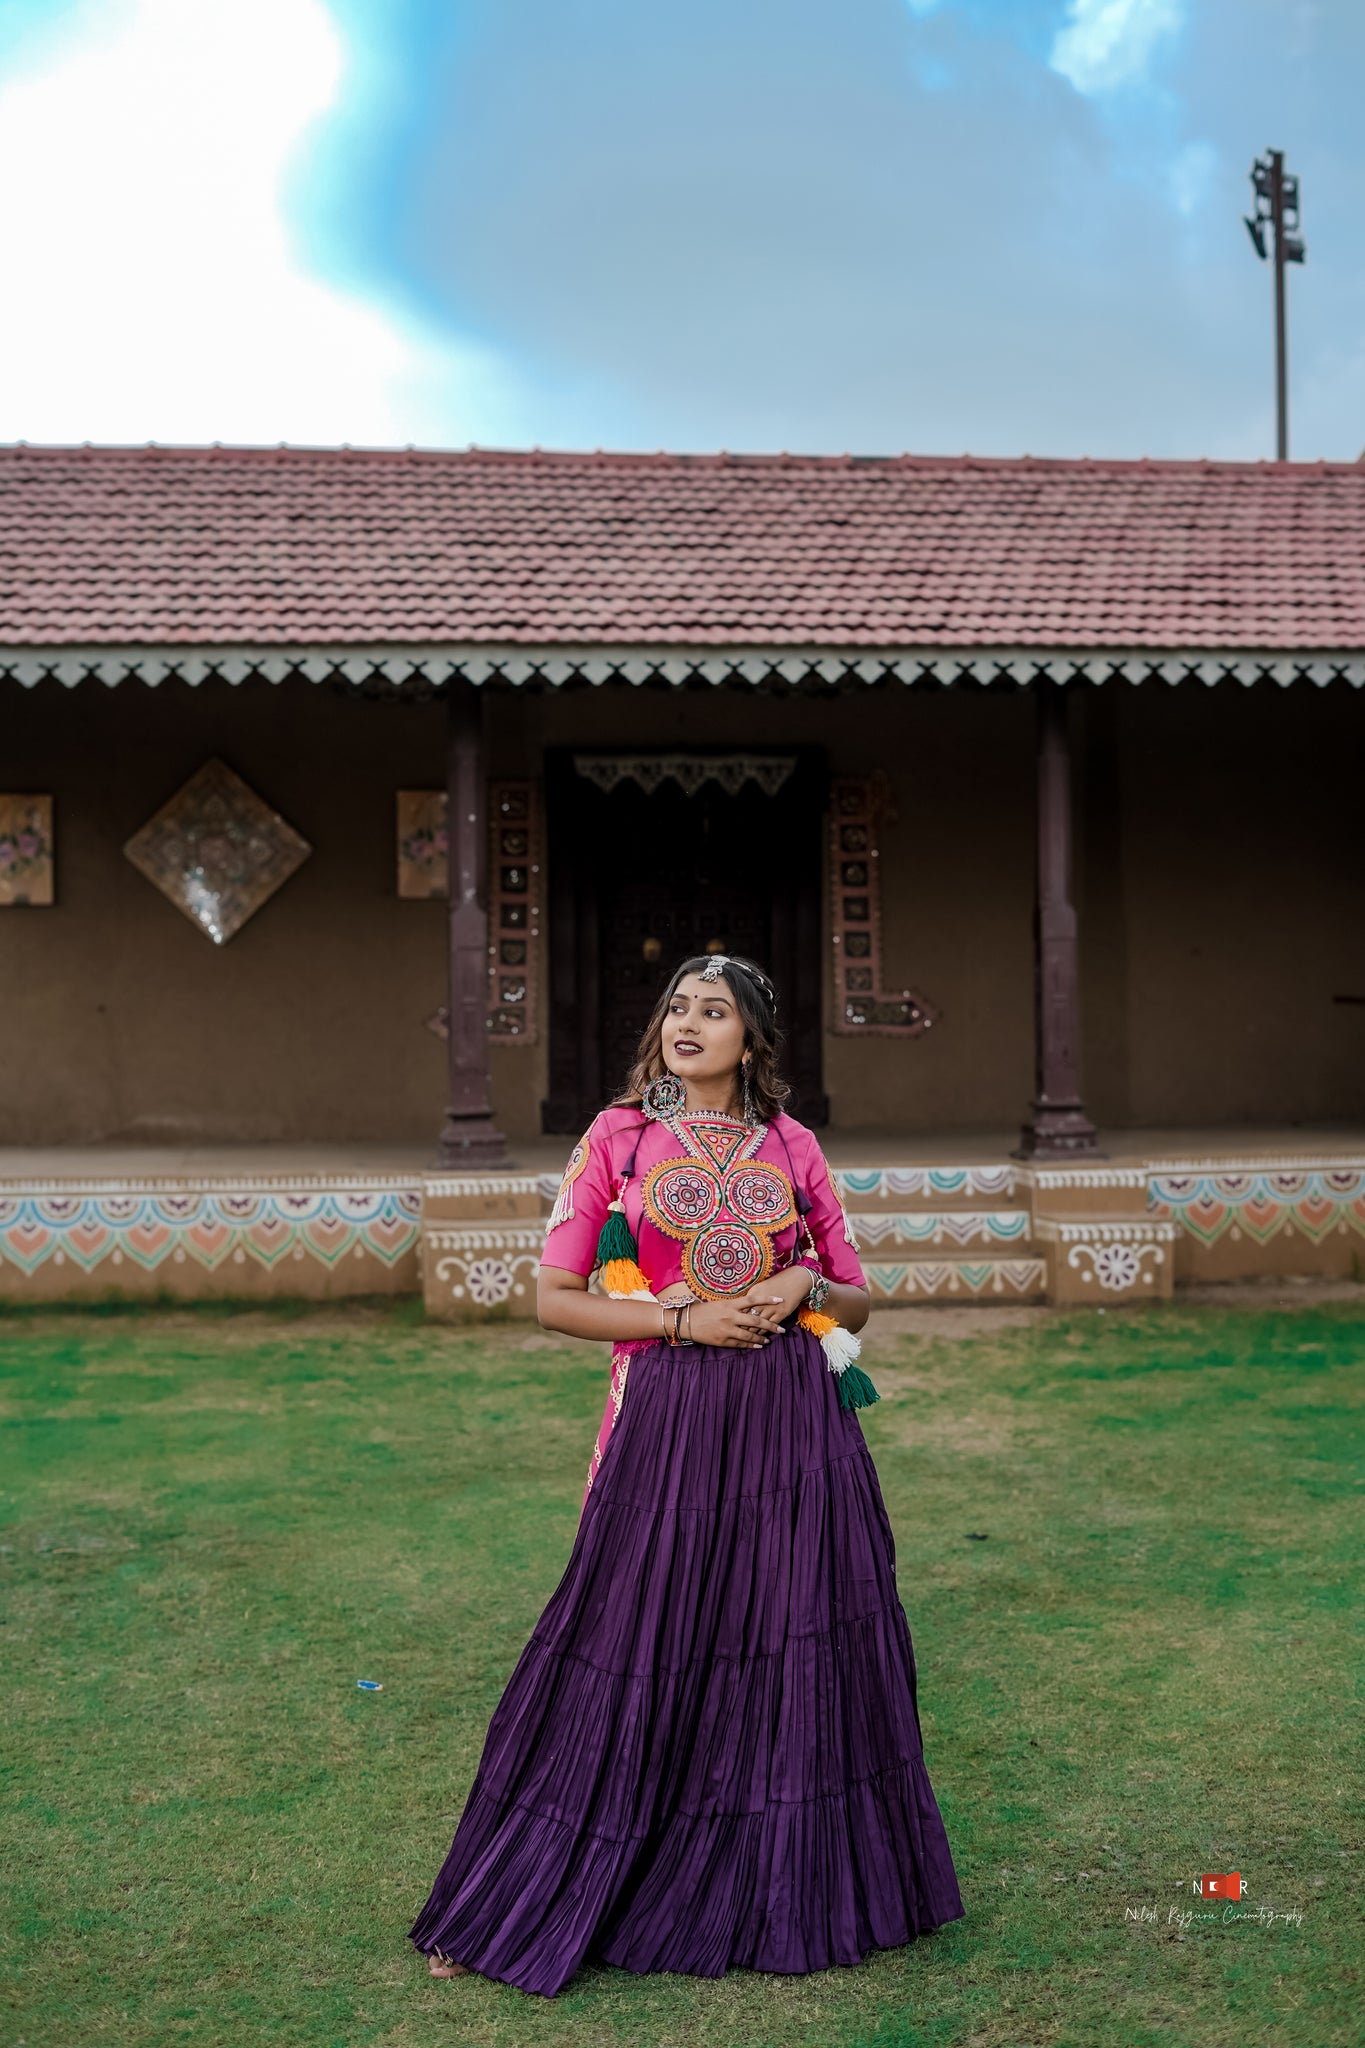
{"x": 217, "y": 851}
{"x": 515, "y": 839}
{"x": 862, "y": 1007}
{"x": 25, "y": 850}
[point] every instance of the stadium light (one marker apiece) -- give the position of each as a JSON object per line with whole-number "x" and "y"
{"x": 1277, "y": 208}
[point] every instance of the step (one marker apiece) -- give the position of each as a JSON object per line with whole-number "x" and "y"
{"x": 1115, "y": 1258}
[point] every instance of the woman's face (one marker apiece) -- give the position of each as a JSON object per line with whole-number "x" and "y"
{"x": 703, "y": 1034}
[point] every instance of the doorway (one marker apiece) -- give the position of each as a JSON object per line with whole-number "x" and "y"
{"x": 639, "y": 880}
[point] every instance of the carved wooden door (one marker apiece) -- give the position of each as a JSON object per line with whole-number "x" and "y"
{"x": 638, "y": 882}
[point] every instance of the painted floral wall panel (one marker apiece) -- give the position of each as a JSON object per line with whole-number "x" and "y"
{"x": 422, "y": 869}
{"x": 217, "y": 851}
{"x": 26, "y": 850}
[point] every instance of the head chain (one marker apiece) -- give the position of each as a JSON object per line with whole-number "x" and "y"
{"x": 720, "y": 961}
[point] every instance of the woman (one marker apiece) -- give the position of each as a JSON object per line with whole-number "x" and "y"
{"x": 708, "y": 1755}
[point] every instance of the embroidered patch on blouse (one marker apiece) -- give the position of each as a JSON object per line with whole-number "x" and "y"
{"x": 725, "y": 1258}
{"x": 718, "y": 1138}
{"x": 562, "y": 1211}
{"x": 723, "y": 1204}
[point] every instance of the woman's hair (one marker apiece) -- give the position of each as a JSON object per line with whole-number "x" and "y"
{"x": 756, "y": 1001}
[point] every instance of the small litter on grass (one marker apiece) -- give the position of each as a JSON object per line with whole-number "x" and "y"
{"x": 368, "y": 1685}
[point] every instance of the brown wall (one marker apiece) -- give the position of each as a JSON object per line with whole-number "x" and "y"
{"x": 126, "y": 1022}
{"x": 1222, "y": 900}
{"x": 1221, "y": 856}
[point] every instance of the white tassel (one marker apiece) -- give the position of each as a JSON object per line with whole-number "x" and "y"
{"x": 840, "y": 1347}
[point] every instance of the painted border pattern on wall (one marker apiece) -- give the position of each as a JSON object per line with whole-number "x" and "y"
{"x": 1262, "y": 1204}
{"x": 924, "y": 1180}
{"x": 933, "y": 1226}
{"x": 253, "y": 1224}
{"x": 207, "y": 1227}
{"x": 862, "y": 1007}
{"x": 973, "y": 1277}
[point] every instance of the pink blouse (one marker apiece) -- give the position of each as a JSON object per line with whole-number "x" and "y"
{"x": 719, "y": 1208}
{"x": 720, "y": 1211}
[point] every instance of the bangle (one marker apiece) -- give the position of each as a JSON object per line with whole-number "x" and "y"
{"x": 678, "y": 1308}
{"x": 690, "y": 1338}
{"x": 664, "y": 1307}
{"x": 819, "y": 1293}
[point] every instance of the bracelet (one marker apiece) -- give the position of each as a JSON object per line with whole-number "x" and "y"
{"x": 819, "y": 1293}
{"x": 690, "y": 1338}
{"x": 664, "y": 1307}
{"x": 678, "y": 1307}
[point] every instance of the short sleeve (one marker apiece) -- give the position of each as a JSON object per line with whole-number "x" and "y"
{"x": 827, "y": 1221}
{"x": 581, "y": 1205}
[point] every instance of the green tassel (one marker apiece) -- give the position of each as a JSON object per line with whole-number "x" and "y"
{"x": 616, "y": 1241}
{"x": 856, "y": 1389}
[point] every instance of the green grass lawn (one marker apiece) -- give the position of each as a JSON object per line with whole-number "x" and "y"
{"x": 217, "y": 1521}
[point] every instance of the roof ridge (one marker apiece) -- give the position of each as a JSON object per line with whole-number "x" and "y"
{"x": 721, "y": 459}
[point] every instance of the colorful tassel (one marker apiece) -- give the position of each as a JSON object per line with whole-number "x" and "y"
{"x": 841, "y": 1348}
{"x": 856, "y": 1389}
{"x": 818, "y": 1325}
{"x": 615, "y": 1240}
{"x": 623, "y": 1280}
{"x": 618, "y": 1256}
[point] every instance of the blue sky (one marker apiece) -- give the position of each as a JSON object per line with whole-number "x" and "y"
{"x": 999, "y": 226}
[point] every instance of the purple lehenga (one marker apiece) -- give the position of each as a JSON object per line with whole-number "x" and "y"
{"x": 708, "y": 1755}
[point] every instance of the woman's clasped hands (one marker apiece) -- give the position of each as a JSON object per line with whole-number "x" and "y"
{"x": 748, "y": 1320}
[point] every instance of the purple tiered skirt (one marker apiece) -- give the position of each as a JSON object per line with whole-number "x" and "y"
{"x": 708, "y": 1756}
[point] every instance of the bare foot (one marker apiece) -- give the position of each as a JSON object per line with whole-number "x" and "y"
{"x": 442, "y": 1966}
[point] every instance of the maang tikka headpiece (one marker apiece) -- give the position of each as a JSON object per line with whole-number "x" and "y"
{"x": 718, "y": 963}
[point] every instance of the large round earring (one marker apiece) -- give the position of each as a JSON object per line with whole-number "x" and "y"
{"x": 750, "y": 1106}
{"x": 664, "y": 1097}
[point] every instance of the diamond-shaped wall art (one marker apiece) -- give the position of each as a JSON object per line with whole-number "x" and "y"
{"x": 217, "y": 851}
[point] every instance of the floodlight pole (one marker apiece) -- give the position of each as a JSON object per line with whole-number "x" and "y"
{"x": 1281, "y": 347}
{"x": 1277, "y": 207}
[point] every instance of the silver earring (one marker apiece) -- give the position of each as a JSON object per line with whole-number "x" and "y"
{"x": 664, "y": 1097}
{"x": 750, "y": 1107}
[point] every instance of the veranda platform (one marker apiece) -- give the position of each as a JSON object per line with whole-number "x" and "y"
{"x": 937, "y": 1218}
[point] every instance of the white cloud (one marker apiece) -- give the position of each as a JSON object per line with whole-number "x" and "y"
{"x": 1107, "y": 43}
{"x": 155, "y": 293}
{"x": 1190, "y": 179}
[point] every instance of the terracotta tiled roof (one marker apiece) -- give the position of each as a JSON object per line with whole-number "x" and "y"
{"x": 267, "y": 547}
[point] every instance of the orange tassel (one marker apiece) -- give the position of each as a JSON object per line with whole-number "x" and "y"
{"x": 818, "y": 1325}
{"x": 622, "y": 1279}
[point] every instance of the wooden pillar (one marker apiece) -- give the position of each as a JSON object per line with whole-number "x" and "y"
{"x": 469, "y": 1136}
{"x": 1059, "y": 1127}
